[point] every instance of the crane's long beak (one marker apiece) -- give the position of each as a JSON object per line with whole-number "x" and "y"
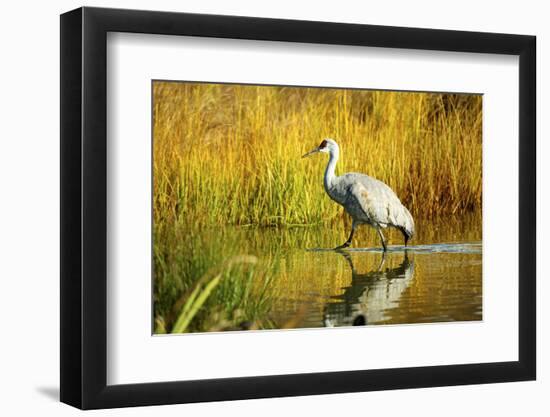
{"x": 313, "y": 151}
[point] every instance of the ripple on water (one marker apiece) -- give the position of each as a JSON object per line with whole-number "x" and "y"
{"x": 467, "y": 248}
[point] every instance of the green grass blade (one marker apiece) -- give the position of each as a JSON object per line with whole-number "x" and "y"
{"x": 187, "y": 315}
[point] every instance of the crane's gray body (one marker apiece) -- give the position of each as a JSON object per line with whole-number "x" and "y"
{"x": 370, "y": 201}
{"x": 366, "y": 199}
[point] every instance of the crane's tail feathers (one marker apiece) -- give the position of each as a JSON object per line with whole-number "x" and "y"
{"x": 407, "y": 234}
{"x": 407, "y": 228}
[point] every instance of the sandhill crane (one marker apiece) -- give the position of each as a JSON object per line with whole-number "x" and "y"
{"x": 366, "y": 199}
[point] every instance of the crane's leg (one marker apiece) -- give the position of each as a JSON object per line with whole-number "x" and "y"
{"x": 382, "y": 261}
{"x": 348, "y": 260}
{"x": 347, "y": 243}
{"x": 382, "y": 239}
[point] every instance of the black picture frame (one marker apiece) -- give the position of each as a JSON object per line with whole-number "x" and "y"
{"x": 84, "y": 207}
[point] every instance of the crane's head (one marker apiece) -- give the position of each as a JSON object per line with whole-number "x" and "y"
{"x": 327, "y": 146}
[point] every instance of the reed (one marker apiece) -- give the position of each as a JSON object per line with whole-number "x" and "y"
{"x": 205, "y": 284}
{"x": 230, "y": 154}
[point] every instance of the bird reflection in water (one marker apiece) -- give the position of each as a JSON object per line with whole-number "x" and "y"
{"x": 370, "y": 294}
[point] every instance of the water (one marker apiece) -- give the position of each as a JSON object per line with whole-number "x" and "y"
{"x": 426, "y": 283}
{"x": 438, "y": 278}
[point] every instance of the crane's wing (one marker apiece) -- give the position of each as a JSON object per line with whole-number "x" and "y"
{"x": 379, "y": 204}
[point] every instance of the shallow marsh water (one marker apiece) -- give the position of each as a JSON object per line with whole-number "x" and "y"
{"x": 437, "y": 279}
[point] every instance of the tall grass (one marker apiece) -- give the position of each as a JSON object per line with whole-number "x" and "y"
{"x": 203, "y": 284}
{"x": 230, "y": 154}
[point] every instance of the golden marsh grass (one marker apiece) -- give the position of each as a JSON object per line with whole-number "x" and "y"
{"x": 230, "y": 154}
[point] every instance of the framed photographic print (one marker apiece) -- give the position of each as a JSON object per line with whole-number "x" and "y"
{"x": 257, "y": 207}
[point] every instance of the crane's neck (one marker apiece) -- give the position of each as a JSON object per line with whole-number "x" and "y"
{"x": 330, "y": 176}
